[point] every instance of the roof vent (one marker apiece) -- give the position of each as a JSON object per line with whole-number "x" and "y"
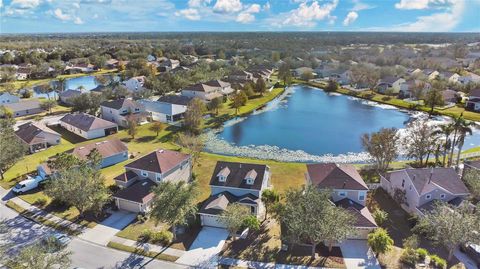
{"x": 81, "y": 148}
{"x": 144, "y": 183}
{"x": 161, "y": 151}
{"x": 98, "y": 143}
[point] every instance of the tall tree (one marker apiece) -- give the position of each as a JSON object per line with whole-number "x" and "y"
{"x": 382, "y": 146}
{"x": 419, "y": 140}
{"x": 11, "y": 148}
{"x": 269, "y": 198}
{"x": 461, "y": 128}
{"x": 285, "y": 74}
{"x": 48, "y": 104}
{"x": 216, "y": 104}
{"x": 445, "y": 130}
{"x": 193, "y": 143}
{"x": 157, "y": 127}
{"x": 233, "y": 218}
{"x": 194, "y": 116}
{"x": 260, "y": 86}
{"x": 471, "y": 177}
{"x": 464, "y": 129}
{"x": 239, "y": 99}
{"x": 174, "y": 203}
{"x": 380, "y": 241}
{"x": 452, "y": 226}
{"x": 132, "y": 127}
{"x": 433, "y": 98}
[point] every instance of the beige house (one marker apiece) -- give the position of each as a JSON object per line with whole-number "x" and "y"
{"x": 37, "y": 136}
{"x": 348, "y": 191}
{"x": 420, "y": 188}
{"x": 143, "y": 174}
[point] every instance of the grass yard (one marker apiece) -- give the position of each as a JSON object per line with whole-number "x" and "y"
{"x": 139, "y": 251}
{"x": 265, "y": 246}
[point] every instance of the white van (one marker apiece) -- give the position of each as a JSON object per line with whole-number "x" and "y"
{"x": 26, "y": 185}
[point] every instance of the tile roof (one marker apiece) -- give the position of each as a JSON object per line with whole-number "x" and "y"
{"x": 86, "y": 122}
{"x": 139, "y": 192}
{"x": 335, "y": 176}
{"x": 29, "y": 132}
{"x": 159, "y": 161}
{"x": 362, "y": 215}
{"x": 238, "y": 174}
{"x": 106, "y": 148}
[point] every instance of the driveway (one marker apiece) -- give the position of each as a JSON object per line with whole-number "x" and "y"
{"x": 103, "y": 232}
{"x": 204, "y": 250}
{"x": 463, "y": 258}
{"x": 357, "y": 254}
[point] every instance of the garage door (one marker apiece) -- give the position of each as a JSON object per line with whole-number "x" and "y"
{"x": 211, "y": 221}
{"x": 128, "y": 206}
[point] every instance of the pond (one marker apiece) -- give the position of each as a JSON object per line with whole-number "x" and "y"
{"x": 87, "y": 82}
{"x": 309, "y": 125}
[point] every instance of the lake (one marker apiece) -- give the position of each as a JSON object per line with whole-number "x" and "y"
{"x": 88, "y": 83}
{"x": 308, "y": 124}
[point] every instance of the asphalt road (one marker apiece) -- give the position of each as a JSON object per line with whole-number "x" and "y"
{"x": 21, "y": 232}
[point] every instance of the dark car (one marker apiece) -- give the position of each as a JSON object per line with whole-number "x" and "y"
{"x": 472, "y": 251}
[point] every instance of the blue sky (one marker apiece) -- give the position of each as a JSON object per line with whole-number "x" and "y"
{"x": 40, "y": 16}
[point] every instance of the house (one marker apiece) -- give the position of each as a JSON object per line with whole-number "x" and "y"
{"x": 225, "y": 87}
{"x": 79, "y": 68}
{"x": 298, "y": 72}
{"x": 469, "y": 78}
{"x": 23, "y": 73}
{"x": 417, "y": 189}
{"x": 111, "y": 63}
{"x": 408, "y": 87}
{"x": 143, "y": 174}
{"x": 67, "y": 96}
{"x": 389, "y": 84}
{"x": 450, "y": 77}
{"x": 473, "y": 102}
{"x": 202, "y": 91}
{"x": 113, "y": 151}
{"x": 168, "y": 108}
{"x": 430, "y": 74}
{"x": 348, "y": 191}
{"x": 241, "y": 75}
{"x": 24, "y": 108}
{"x": 8, "y": 98}
{"x": 449, "y": 96}
{"x": 37, "y": 136}
{"x": 232, "y": 182}
{"x": 168, "y": 65}
{"x": 88, "y": 126}
{"x": 122, "y": 110}
{"x": 135, "y": 84}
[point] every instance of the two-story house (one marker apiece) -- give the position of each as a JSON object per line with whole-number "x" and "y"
{"x": 417, "y": 189}
{"x": 389, "y": 84}
{"x": 473, "y": 102}
{"x": 225, "y": 87}
{"x": 231, "y": 182}
{"x": 122, "y": 110}
{"x": 8, "y": 98}
{"x": 168, "y": 108}
{"x": 135, "y": 84}
{"x": 348, "y": 191}
{"x": 202, "y": 91}
{"x": 142, "y": 175}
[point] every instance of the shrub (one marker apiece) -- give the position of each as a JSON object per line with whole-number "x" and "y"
{"x": 411, "y": 242}
{"x": 252, "y": 223}
{"x": 438, "y": 262}
{"x": 380, "y": 216}
{"x": 386, "y": 98}
{"x": 409, "y": 257}
{"x": 141, "y": 218}
{"x": 42, "y": 201}
{"x": 422, "y": 253}
{"x": 164, "y": 237}
{"x": 146, "y": 235}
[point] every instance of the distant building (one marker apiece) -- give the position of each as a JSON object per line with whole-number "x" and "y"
{"x": 135, "y": 84}
{"x": 8, "y": 98}
{"x": 24, "y": 108}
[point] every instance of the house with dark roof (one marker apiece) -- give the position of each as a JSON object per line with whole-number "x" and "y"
{"x": 88, "y": 126}
{"x": 112, "y": 151}
{"x": 473, "y": 102}
{"x": 143, "y": 174}
{"x": 348, "y": 190}
{"x": 389, "y": 84}
{"x": 37, "y": 136}
{"x": 24, "y": 108}
{"x": 123, "y": 110}
{"x": 168, "y": 108}
{"x": 225, "y": 87}
{"x": 67, "y": 96}
{"x": 231, "y": 182}
{"x": 420, "y": 188}
{"x": 202, "y": 91}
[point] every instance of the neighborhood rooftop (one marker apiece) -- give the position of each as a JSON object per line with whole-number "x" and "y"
{"x": 159, "y": 161}
{"x": 106, "y": 148}
{"x": 238, "y": 173}
{"x": 28, "y": 132}
{"x": 86, "y": 122}
{"x": 335, "y": 176}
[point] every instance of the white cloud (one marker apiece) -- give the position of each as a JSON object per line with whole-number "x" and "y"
{"x": 58, "y": 13}
{"x": 76, "y": 5}
{"x": 350, "y": 18}
{"x": 359, "y": 6}
{"x": 189, "y": 13}
{"x": 247, "y": 16}
{"x": 78, "y": 20}
{"x": 421, "y": 4}
{"x": 1, "y": 3}
{"x": 228, "y": 6}
{"x": 255, "y": 8}
{"x": 25, "y": 4}
{"x": 267, "y": 6}
{"x": 308, "y": 15}
{"x": 198, "y": 3}
{"x": 436, "y": 22}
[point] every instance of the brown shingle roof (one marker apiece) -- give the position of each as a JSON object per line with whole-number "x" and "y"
{"x": 30, "y": 131}
{"x": 86, "y": 122}
{"x": 218, "y": 83}
{"x": 106, "y": 148}
{"x": 139, "y": 192}
{"x": 363, "y": 217}
{"x": 201, "y": 87}
{"x": 238, "y": 173}
{"x": 335, "y": 176}
{"x": 159, "y": 161}
{"x": 216, "y": 204}
{"x": 127, "y": 176}
{"x": 424, "y": 179}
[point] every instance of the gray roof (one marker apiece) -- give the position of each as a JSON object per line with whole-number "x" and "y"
{"x": 23, "y": 105}
{"x": 175, "y": 99}
{"x": 86, "y": 122}
{"x": 70, "y": 93}
{"x": 119, "y": 103}
{"x": 238, "y": 173}
{"x": 217, "y": 203}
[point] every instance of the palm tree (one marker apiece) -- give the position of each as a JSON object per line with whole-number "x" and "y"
{"x": 465, "y": 128}
{"x": 61, "y": 83}
{"x": 456, "y": 123}
{"x": 445, "y": 130}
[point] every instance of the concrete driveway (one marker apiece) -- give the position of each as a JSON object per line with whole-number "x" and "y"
{"x": 357, "y": 254}
{"x": 103, "y": 232}
{"x": 463, "y": 258}
{"x": 204, "y": 250}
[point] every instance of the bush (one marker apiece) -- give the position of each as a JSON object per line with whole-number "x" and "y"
{"x": 42, "y": 201}
{"x": 409, "y": 257}
{"x": 141, "y": 218}
{"x": 252, "y": 223}
{"x": 164, "y": 237}
{"x": 411, "y": 242}
{"x": 380, "y": 216}
{"x": 422, "y": 253}
{"x": 146, "y": 235}
{"x": 438, "y": 262}
{"x": 386, "y": 98}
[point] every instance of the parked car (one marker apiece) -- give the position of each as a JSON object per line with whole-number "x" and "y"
{"x": 55, "y": 242}
{"x": 472, "y": 251}
{"x": 27, "y": 185}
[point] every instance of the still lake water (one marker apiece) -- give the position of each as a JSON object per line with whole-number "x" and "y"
{"x": 88, "y": 82}
{"x": 308, "y": 124}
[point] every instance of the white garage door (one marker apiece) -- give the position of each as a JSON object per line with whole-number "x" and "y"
{"x": 128, "y": 206}
{"x": 211, "y": 221}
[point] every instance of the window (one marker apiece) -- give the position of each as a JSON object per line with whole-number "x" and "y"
{"x": 252, "y": 209}
{"x": 158, "y": 176}
{"x": 442, "y": 196}
{"x": 250, "y": 181}
{"x": 361, "y": 196}
{"x": 403, "y": 183}
{"x": 222, "y": 179}
{"x": 342, "y": 194}
{"x": 144, "y": 173}
{"x": 429, "y": 196}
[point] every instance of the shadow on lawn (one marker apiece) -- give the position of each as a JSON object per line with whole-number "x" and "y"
{"x": 70, "y": 137}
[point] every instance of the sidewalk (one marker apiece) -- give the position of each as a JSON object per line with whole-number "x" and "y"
{"x": 148, "y": 247}
{"x": 262, "y": 265}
